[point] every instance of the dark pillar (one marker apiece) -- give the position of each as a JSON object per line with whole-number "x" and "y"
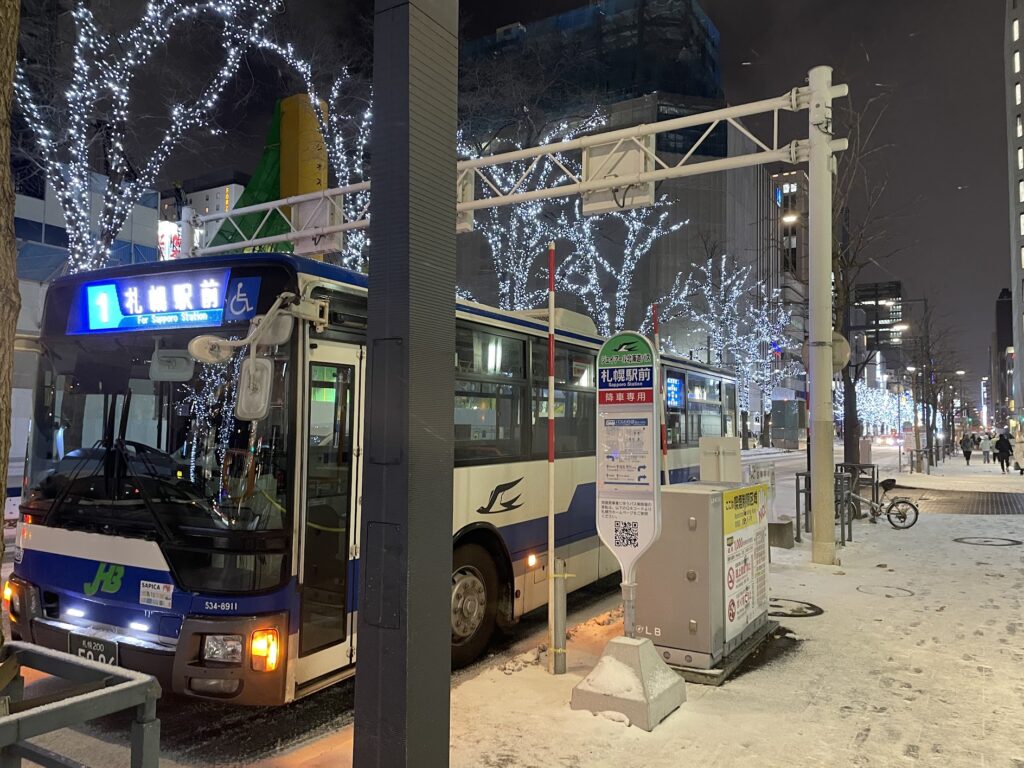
{"x": 403, "y": 642}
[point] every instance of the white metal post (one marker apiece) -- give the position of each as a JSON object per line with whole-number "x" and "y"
{"x": 186, "y": 226}
{"x": 556, "y": 573}
{"x": 819, "y": 291}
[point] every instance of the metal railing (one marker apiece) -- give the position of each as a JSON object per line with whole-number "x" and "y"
{"x": 95, "y": 690}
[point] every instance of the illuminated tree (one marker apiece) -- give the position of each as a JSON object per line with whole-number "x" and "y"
{"x": 102, "y": 83}
{"x": 715, "y": 294}
{"x": 877, "y": 408}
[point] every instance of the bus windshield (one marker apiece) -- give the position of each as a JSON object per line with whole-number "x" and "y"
{"x": 132, "y": 437}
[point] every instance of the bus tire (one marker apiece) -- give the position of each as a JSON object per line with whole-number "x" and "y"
{"x": 474, "y": 604}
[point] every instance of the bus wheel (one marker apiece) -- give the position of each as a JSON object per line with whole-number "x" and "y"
{"x": 474, "y": 603}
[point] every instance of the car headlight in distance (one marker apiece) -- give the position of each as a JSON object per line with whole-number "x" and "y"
{"x": 223, "y": 648}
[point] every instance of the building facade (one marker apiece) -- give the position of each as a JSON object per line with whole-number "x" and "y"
{"x": 1002, "y": 352}
{"x": 881, "y": 318}
{"x": 1013, "y": 51}
{"x": 646, "y": 61}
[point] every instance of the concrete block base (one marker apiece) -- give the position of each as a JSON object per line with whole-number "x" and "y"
{"x": 781, "y": 534}
{"x": 630, "y": 678}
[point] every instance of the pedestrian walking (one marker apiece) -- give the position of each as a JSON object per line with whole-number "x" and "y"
{"x": 1003, "y": 451}
{"x": 986, "y": 448}
{"x": 967, "y": 445}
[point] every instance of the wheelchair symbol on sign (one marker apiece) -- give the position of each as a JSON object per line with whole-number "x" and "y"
{"x": 239, "y": 303}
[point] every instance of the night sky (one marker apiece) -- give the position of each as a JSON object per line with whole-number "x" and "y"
{"x": 945, "y": 131}
{"x": 941, "y": 61}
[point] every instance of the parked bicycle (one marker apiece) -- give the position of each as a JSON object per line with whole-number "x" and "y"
{"x": 900, "y": 511}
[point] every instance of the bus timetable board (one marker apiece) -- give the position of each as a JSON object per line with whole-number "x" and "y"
{"x": 188, "y": 299}
{"x": 628, "y": 428}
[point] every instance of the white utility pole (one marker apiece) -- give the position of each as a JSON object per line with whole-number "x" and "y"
{"x": 819, "y": 292}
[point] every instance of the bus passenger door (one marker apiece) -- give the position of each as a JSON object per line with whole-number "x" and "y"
{"x": 334, "y": 421}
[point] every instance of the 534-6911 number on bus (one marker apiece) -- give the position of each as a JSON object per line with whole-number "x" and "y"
{"x": 216, "y": 605}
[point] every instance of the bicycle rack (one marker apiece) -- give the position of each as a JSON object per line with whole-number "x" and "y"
{"x": 842, "y": 484}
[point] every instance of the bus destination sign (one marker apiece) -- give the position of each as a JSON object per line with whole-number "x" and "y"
{"x": 195, "y": 299}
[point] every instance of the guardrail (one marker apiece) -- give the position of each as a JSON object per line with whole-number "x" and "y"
{"x": 96, "y": 690}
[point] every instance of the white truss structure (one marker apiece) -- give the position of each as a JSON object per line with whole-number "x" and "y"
{"x": 305, "y": 214}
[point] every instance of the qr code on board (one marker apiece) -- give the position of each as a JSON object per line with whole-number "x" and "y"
{"x": 627, "y": 533}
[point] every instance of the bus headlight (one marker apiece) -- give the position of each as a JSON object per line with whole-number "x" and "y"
{"x": 265, "y": 650}
{"x": 226, "y": 649}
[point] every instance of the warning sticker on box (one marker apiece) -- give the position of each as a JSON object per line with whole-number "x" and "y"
{"x": 155, "y": 593}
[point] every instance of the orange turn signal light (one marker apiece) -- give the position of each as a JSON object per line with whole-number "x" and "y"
{"x": 8, "y": 591}
{"x": 265, "y": 650}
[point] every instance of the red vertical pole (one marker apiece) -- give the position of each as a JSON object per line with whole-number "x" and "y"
{"x": 556, "y": 573}
{"x": 661, "y": 394}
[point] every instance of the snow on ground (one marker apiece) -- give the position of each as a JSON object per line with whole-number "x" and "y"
{"x": 954, "y": 475}
{"x": 882, "y": 678}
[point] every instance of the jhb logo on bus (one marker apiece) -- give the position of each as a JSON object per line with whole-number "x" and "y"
{"x": 107, "y": 579}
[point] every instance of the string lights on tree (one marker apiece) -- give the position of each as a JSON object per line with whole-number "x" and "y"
{"x": 878, "y": 409}
{"x": 104, "y": 68}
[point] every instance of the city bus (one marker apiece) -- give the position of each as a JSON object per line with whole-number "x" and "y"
{"x": 173, "y": 523}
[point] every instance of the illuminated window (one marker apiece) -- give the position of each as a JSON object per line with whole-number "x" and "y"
{"x": 1022, "y": 225}
{"x": 1020, "y": 127}
{"x": 1022, "y": 257}
{"x": 1020, "y": 191}
{"x": 1016, "y": 29}
{"x": 1020, "y": 159}
{"x": 1016, "y": 91}
{"x": 1016, "y": 61}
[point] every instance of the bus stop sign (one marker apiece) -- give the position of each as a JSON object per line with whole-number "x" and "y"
{"x": 628, "y": 430}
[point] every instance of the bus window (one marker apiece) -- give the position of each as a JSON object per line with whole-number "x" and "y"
{"x": 703, "y": 407}
{"x": 480, "y": 352}
{"x": 575, "y": 401}
{"x": 490, "y": 395}
{"x": 328, "y": 491}
{"x": 729, "y": 408}
{"x": 675, "y": 409}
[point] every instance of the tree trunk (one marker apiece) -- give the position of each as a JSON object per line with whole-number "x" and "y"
{"x": 10, "y": 297}
{"x": 744, "y": 429}
{"x": 766, "y": 427}
{"x": 851, "y": 426}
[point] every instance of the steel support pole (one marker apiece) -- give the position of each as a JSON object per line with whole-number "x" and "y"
{"x": 819, "y": 291}
{"x": 404, "y": 624}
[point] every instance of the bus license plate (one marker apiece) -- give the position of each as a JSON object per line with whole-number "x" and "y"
{"x": 93, "y": 648}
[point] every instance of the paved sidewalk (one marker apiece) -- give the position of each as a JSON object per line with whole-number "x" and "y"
{"x": 954, "y": 475}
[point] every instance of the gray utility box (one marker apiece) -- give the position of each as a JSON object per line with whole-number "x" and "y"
{"x": 702, "y": 588}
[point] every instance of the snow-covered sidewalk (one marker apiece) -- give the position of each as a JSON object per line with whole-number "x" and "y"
{"x": 953, "y": 474}
{"x": 917, "y": 655}
{"x": 916, "y": 660}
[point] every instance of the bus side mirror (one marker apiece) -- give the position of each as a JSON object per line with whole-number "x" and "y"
{"x": 254, "y": 386}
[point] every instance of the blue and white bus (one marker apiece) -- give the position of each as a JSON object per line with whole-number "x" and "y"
{"x": 162, "y": 532}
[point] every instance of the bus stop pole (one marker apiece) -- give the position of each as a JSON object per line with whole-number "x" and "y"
{"x": 404, "y": 624}
{"x": 556, "y": 570}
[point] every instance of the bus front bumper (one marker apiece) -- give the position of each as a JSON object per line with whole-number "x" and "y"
{"x": 180, "y": 668}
